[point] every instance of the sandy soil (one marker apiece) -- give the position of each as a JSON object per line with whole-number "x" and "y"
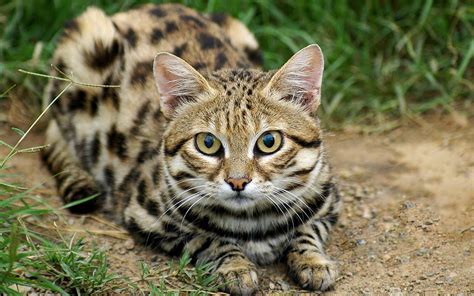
{"x": 407, "y": 224}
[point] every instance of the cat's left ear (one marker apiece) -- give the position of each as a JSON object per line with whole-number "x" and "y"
{"x": 178, "y": 83}
{"x": 299, "y": 80}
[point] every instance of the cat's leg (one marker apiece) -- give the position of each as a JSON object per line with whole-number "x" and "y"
{"x": 236, "y": 272}
{"x": 307, "y": 262}
{"x": 73, "y": 182}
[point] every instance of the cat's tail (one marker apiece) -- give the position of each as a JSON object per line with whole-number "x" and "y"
{"x": 240, "y": 36}
{"x": 88, "y": 51}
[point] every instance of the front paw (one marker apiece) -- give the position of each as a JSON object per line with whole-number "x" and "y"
{"x": 312, "y": 271}
{"x": 238, "y": 277}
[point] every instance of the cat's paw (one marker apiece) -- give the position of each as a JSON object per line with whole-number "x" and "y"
{"x": 312, "y": 271}
{"x": 238, "y": 277}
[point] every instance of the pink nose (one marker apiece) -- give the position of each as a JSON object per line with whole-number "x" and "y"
{"x": 238, "y": 184}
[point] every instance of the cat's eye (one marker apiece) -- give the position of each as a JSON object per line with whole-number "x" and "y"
{"x": 269, "y": 142}
{"x": 208, "y": 144}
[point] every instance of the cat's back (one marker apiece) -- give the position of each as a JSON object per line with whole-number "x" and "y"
{"x": 205, "y": 42}
{"x": 94, "y": 41}
{"x": 119, "y": 49}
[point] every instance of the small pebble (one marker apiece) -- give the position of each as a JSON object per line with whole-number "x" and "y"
{"x": 422, "y": 251}
{"x": 271, "y": 286}
{"x": 408, "y": 204}
{"x": 129, "y": 244}
{"x": 361, "y": 242}
{"x": 284, "y": 285}
{"x": 395, "y": 292}
{"x": 154, "y": 258}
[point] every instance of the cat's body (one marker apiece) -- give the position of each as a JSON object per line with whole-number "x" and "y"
{"x": 183, "y": 159}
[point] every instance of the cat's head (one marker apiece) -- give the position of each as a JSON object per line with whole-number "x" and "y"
{"x": 241, "y": 139}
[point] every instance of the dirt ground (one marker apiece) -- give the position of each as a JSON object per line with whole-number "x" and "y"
{"x": 407, "y": 224}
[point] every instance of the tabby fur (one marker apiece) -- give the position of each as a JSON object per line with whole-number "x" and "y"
{"x": 182, "y": 73}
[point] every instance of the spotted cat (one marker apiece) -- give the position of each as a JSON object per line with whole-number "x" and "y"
{"x": 198, "y": 150}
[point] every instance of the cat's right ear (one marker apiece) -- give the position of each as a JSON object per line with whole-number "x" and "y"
{"x": 178, "y": 83}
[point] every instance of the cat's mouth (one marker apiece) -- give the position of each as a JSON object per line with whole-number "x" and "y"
{"x": 240, "y": 198}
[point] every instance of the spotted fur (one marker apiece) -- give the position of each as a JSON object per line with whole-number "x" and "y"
{"x": 133, "y": 147}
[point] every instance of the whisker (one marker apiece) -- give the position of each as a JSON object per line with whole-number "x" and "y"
{"x": 196, "y": 202}
{"x": 289, "y": 206}
{"x": 297, "y": 199}
{"x": 285, "y": 213}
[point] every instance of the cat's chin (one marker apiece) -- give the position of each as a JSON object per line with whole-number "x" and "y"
{"x": 238, "y": 201}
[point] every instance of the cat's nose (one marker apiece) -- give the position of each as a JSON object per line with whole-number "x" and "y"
{"x": 238, "y": 184}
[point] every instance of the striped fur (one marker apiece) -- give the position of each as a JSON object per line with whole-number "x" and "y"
{"x": 134, "y": 146}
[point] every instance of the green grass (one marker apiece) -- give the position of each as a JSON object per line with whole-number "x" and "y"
{"x": 52, "y": 262}
{"x": 384, "y": 59}
{"x": 42, "y": 261}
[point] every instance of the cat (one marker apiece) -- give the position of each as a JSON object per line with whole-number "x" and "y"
{"x": 198, "y": 150}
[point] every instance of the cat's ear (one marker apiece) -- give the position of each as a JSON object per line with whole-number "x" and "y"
{"x": 178, "y": 83}
{"x": 299, "y": 80}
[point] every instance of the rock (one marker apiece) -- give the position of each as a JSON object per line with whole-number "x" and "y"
{"x": 430, "y": 274}
{"x": 154, "y": 258}
{"x": 360, "y": 242}
{"x": 284, "y": 285}
{"x": 422, "y": 251}
{"x": 408, "y": 204}
{"x": 395, "y": 291}
{"x": 403, "y": 259}
{"x": 121, "y": 251}
{"x": 271, "y": 286}
{"x": 366, "y": 213}
{"x": 129, "y": 244}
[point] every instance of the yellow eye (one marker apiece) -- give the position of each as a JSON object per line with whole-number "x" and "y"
{"x": 208, "y": 144}
{"x": 269, "y": 142}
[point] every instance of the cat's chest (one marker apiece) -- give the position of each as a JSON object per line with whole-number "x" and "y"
{"x": 265, "y": 252}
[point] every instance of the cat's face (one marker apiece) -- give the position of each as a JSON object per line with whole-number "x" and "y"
{"x": 246, "y": 138}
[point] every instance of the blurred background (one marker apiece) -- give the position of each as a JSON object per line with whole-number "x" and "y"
{"x": 385, "y": 60}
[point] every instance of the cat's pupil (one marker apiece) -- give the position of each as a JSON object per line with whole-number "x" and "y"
{"x": 268, "y": 140}
{"x": 209, "y": 141}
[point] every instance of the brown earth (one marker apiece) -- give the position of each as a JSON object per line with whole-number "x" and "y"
{"x": 407, "y": 224}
